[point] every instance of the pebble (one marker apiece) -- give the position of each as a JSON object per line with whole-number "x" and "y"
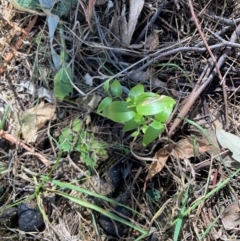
{"x": 29, "y": 217}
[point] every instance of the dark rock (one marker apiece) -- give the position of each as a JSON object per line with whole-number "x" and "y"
{"x": 153, "y": 237}
{"x": 9, "y": 217}
{"x": 112, "y": 227}
{"x": 114, "y": 176}
{"x": 30, "y": 219}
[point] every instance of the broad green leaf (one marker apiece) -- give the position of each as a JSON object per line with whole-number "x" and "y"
{"x": 116, "y": 88}
{"x": 138, "y": 118}
{"x": 104, "y": 104}
{"x": 106, "y": 85}
{"x": 131, "y": 125}
{"x": 136, "y": 91}
{"x": 146, "y": 95}
{"x": 153, "y": 105}
{"x": 62, "y": 83}
{"x": 152, "y": 132}
{"x": 164, "y": 114}
{"x": 119, "y": 112}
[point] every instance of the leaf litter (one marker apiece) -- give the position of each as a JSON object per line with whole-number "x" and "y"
{"x": 99, "y": 43}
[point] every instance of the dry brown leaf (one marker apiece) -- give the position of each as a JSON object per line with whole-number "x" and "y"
{"x": 89, "y": 102}
{"x": 127, "y": 27}
{"x": 141, "y": 75}
{"x": 88, "y": 11}
{"x": 34, "y": 119}
{"x": 135, "y": 10}
{"x": 186, "y": 148}
{"x": 152, "y": 41}
{"x": 231, "y": 216}
{"x": 156, "y": 166}
{"x": 183, "y": 149}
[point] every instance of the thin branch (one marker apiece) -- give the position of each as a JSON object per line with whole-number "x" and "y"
{"x": 213, "y": 59}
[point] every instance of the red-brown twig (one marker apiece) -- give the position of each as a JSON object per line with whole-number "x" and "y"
{"x": 18, "y": 142}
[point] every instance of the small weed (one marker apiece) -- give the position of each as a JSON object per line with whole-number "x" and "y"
{"x": 78, "y": 139}
{"x": 144, "y": 112}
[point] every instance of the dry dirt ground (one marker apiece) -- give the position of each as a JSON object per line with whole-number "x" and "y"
{"x": 54, "y": 147}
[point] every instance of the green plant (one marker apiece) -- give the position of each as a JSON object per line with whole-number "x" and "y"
{"x": 141, "y": 111}
{"x": 75, "y": 138}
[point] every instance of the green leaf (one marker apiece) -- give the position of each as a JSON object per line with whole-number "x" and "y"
{"x": 77, "y": 125}
{"x": 136, "y": 91}
{"x": 65, "y": 140}
{"x": 164, "y": 114}
{"x": 131, "y": 125}
{"x": 146, "y": 95}
{"x": 104, "y": 104}
{"x": 116, "y": 88}
{"x": 135, "y": 133}
{"x": 62, "y": 82}
{"x": 152, "y": 132}
{"x": 106, "y": 85}
{"x": 138, "y": 118}
{"x": 144, "y": 128}
{"x": 151, "y": 105}
{"x": 119, "y": 112}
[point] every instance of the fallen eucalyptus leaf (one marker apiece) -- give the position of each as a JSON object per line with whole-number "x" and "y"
{"x": 229, "y": 141}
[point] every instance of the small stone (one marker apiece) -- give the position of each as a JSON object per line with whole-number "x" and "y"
{"x": 112, "y": 227}
{"x": 114, "y": 176}
{"x": 30, "y": 219}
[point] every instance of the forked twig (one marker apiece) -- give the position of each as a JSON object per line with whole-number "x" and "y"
{"x": 213, "y": 59}
{"x": 199, "y": 89}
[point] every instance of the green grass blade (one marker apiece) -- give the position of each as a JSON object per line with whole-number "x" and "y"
{"x": 180, "y": 217}
{"x": 101, "y": 210}
{"x": 87, "y": 192}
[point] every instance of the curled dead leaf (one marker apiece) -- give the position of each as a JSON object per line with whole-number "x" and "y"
{"x": 183, "y": 149}
{"x": 189, "y": 148}
{"x": 156, "y": 166}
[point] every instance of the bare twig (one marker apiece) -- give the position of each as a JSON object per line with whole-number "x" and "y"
{"x": 199, "y": 89}
{"x": 213, "y": 59}
{"x": 18, "y": 142}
